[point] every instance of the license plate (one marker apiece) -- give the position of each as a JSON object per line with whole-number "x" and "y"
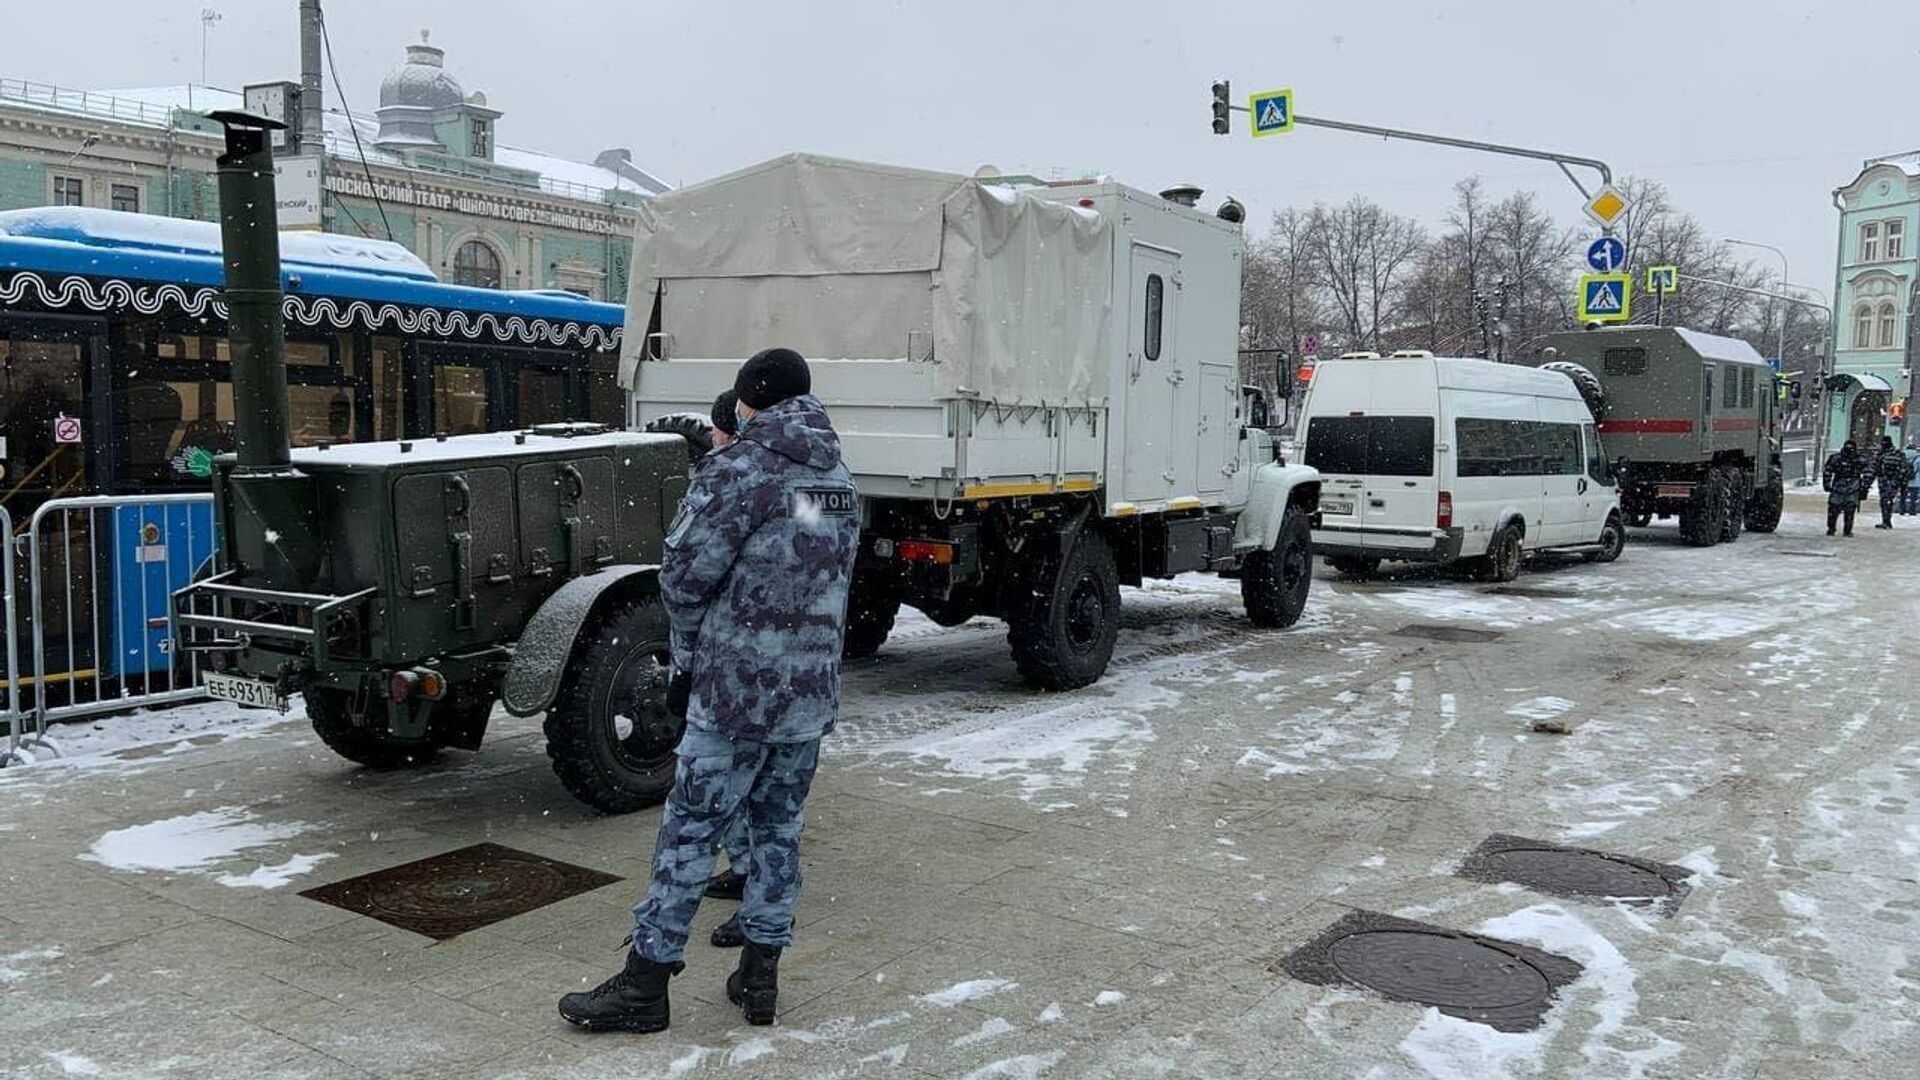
{"x": 1336, "y": 506}
{"x": 244, "y": 691}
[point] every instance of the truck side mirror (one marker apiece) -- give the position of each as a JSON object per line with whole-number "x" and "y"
{"x": 1282, "y": 378}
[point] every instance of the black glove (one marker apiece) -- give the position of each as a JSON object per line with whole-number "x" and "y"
{"x": 679, "y": 693}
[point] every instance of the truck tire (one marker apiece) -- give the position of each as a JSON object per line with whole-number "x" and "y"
{"x": 1613, "y": 540}
{"x": 331, "y": 712}
{"x": 1274, "y": 584}
{"x": 1640, "y": 519}
{"x": 697, "y": 431}
{"x": 1584, "y": 380}
{"x": 1703, "y": 519}
{"x": 1356, "y": 567}
{"x": 1738, "y": 486}
{"x": 1504, "y": 554}
{"x": 1063, "y": 624}
{"x": 869, "y": 621}
{"x": 609, "y": 733}
{"x": 1764, "y": 515}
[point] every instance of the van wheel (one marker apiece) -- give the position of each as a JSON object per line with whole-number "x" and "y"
{"x": 1764, "y": 515}
{"x": 1613, "y": 540}
{"x": 332, "y": 714}
{"x": 1063, "y": 623}
{"x": 1703, "y": 520}
{"x": 1502, "y": 560}
{"x": 1356, "y": 567}
{"x": 1274, "y": 584}
{"x": 609, "y": 733}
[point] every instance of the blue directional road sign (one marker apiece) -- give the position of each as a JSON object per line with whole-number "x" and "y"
{"x": 1606, "y": 255}
{"x": 1605, "y": 298}
{"x": 1272, "y": 112}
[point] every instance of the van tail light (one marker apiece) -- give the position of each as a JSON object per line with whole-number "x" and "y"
{"x": 1443, "y": 517}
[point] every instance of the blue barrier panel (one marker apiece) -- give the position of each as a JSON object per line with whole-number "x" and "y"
{"x": 156, "y": 549}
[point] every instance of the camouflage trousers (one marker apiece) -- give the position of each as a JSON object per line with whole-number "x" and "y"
{"x": 717, "y": 781}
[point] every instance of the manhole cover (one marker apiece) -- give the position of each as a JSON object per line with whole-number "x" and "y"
{"x": 1437, "y": 632}
{"x": 1540, "y": 592}
{"x": 1577, "y": 872}
{"x": 1504, "y": 985}
{"x": 447, "y": 895}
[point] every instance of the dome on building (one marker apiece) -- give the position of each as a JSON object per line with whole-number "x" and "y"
{"x": 417, "y": 95}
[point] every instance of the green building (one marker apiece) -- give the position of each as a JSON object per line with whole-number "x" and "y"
{"x": 426, "y": 170}
{"x": 1873, "y": 301}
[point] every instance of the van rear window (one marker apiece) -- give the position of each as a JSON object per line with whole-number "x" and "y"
{"x": 1371, "y": 445}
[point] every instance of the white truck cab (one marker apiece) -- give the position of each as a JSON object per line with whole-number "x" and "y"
{"x": 1438, "y": 459}
{"x": 1036, "y": 387}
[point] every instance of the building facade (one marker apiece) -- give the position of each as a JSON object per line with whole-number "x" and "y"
{"x": 1875, "y": 280}
{"x": 427, "y": 170}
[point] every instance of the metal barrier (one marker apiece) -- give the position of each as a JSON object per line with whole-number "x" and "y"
{"x": 102, "y": 570}
{"x": 10, "y": 705}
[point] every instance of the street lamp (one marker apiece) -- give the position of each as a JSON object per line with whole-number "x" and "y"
{"x": 208, "y": 17}
{"x": 1780, "y": 336}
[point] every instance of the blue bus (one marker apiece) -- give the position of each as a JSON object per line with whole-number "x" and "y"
{"x": 114, "y": 380}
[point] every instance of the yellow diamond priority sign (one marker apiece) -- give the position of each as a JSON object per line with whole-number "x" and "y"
{"x": 1608, "y": 206}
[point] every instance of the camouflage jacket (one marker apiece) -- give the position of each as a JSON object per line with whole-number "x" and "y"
{"x": 1846, "y": 478}
{"x": 755, "y": 578}
{"x": 1890, "y": 468}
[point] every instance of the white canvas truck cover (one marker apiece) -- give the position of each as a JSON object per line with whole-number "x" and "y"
{"x": 844, "y": 260}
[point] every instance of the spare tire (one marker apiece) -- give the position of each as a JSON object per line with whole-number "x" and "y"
{"x": 696, "y": 429}
{"x": 1589, "y": 386}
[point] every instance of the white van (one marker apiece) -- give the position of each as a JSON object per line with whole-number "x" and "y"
{"x": 1436, "y": 459}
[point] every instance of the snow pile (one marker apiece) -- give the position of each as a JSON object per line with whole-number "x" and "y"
{"x": 197, "y": 842}
{"x": 962, "y": 992}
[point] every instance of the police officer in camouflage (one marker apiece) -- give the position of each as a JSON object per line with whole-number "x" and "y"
{"x": 755, "y": 581}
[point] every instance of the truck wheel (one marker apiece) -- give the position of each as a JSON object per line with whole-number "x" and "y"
{"x": 1062, "y": 628}
{"x": 608, "y": 732}
{"x": 1738, "y": 486}
{"x": 1764, "y": 517}
{"x": 1701, "y": 521}
{"x": 1613, "y": 540}
{"x": 694, "y": 429}
{"x": 1355, "y": 567}
{"x": 331, "y": 712}
{"x": 1640, "y": 519}
{"x": 869, "y": 621}
{"x": 1274, "y": 584}
{"x": 1504, "y": 552}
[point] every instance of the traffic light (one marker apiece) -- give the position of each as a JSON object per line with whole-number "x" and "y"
{"x": 1222, "y": 95}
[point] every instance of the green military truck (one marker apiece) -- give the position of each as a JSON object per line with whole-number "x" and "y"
{"x": 1689, "y": 419}
{"x": 406, "y": 587}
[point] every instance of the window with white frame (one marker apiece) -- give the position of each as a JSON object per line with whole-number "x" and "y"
{"x": 1896, "y": 233}
{"x": 1888, "y": 320}
{"x": 1863, "y": 326}
{"x": 1870, "y": 242}
{"x": 69, "y": 191}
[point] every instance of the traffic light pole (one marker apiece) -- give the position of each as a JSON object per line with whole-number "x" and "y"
{"x": 1558, "y": 158}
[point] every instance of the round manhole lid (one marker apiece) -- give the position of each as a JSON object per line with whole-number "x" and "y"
{"x": 1585, "y": 873}
{"x": 1438, "y": 969}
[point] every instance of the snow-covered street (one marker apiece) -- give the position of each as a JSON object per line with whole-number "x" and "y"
{"x": 1102, "y": 883}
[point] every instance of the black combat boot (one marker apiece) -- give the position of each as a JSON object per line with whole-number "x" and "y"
{"x": 754, "y": 985}
{"x": 728, "y": 935}
{"x": 633, "y": 1000}
{"x": 729, "y": 885}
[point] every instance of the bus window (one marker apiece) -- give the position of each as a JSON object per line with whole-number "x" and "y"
{"x": 39, "y": 381}
{"x": 543, "y": 396}
{"x": 459, "y": 399}
{"x": 309, "y": 354}
{"x": 317, "y": 414}
{"x": 605, "y": 403}
{"x": 389, "y": 380}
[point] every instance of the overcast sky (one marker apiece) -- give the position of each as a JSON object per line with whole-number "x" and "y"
{"x": 1750, "y": 111}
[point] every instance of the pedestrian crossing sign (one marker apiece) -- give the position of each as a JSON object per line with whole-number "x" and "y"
{"x": 1272, "y": 112}
{"x": 1663, "y": 279}
{"x": 1605, "y": 298}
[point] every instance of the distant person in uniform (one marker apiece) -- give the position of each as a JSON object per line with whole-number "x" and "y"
{"x": 1891, "y": 469}
{"x": 1845, "y": 477}
{"x": 755, "y": 580}
{"x": 1910, "y": 496}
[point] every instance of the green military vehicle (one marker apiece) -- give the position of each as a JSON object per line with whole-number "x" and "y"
{"x": 1689, "y": 419}
{"x": 405, "y": 587}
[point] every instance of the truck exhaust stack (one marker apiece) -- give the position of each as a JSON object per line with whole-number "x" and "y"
{"x": 250, "y": 251}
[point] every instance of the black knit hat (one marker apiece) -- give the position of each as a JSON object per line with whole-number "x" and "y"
{"x": 771, "y": 376}
{"x": 723, "y": 416}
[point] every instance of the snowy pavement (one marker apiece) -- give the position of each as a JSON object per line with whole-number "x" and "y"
{"x": 1093, "y": 884}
